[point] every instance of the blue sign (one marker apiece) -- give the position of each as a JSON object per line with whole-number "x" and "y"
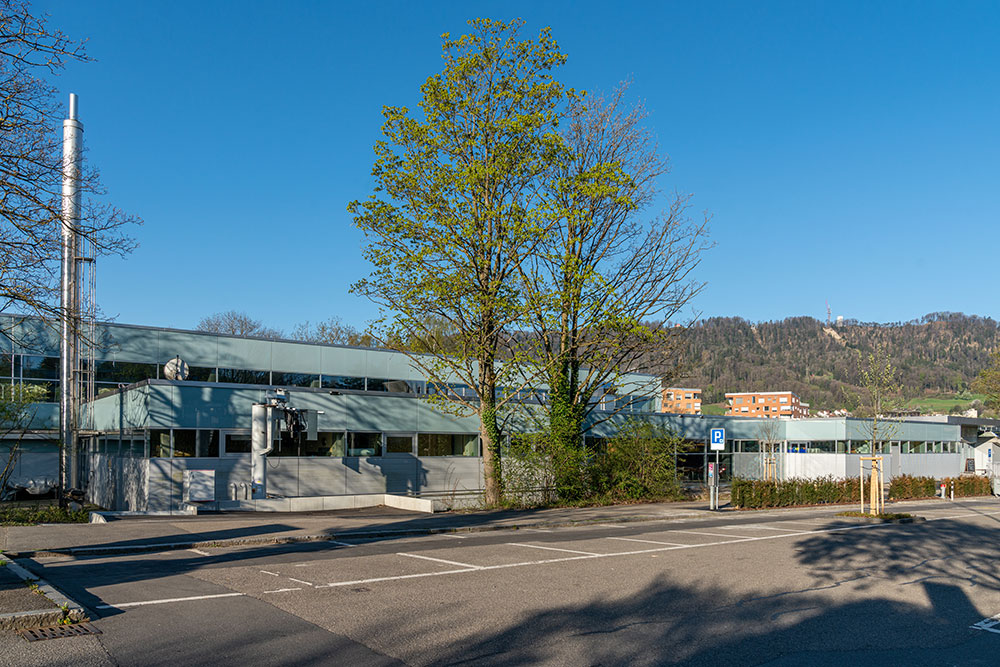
{"x": 718, "y": 438}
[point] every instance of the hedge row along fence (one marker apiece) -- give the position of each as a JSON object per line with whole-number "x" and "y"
{"x": 758, "y": 494}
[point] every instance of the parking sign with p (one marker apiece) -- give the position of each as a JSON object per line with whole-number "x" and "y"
{"x": 718, "y": 440}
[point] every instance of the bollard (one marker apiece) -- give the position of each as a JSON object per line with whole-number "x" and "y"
{"x": 233, "y": 491}
{"x": 952, "y": 489}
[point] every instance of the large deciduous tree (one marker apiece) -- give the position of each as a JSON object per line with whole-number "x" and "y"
{"x": 611, "y": 275}
{"x": 31, "y": 166}
{"x": 458, "y": 204}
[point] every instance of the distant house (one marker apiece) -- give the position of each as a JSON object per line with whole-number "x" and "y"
{"x": 681, "y": 401}
{"x": 768, "y": 404}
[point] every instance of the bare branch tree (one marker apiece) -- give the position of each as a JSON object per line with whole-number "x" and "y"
{"x": 236, "y": 323}
{"x": 31, "y": 167}
{"x": 609, "y": 281}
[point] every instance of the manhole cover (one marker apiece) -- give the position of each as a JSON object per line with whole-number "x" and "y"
{"x": 59, "y": 631}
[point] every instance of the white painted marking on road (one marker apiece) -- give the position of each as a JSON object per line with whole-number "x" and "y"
{"x": 124, "y": 605}
{"x": 273, "y": 574}
{"x": 457, "y": 537}
{"x": 440, "y": 560}
{"x": 698, "y": 532}
{"x": 299, "y": 581}
{"x": 988, "y": 624}
{"x": 611, "y": 525}
{"x": 536, "y": 546}
{"x": 284, "y": 590}
{"x": 343, "y": 544}
{"x": 536, "y": 530}
{"x": 758, "y": 526}
{"x": 200, "y": 552}
{"x": 588, "y": 556}
{"x": 632, "y": 539}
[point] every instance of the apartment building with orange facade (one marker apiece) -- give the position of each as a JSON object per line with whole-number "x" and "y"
{"x": 681, "y": 401}
{"x": 771, "y": 404}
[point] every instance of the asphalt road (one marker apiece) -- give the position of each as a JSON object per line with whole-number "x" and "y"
{"x": 779, "y": 588}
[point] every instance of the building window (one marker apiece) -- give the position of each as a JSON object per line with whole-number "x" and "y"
{"x": 159, "y": 443}
{"x": 399, "y": 444}
{"x": 447, "y": 444}
{"x": 364, "y": 444}
{"x": 241, "y": 376}
{"x": 282, "y": 379}
{"x": 343, "y": 382}
{"x": 185, "y": 443}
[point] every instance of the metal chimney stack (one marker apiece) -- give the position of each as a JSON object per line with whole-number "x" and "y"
{"x": 69, "y": 301}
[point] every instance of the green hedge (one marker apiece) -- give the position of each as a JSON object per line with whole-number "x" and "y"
{"x": 757, "y": 494}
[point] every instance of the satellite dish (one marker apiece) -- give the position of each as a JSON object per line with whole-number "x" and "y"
{"x": 176, "y": 369}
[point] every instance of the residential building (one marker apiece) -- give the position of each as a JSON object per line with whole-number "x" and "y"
{"x": 681, "y": 401}
{"x": 767, "y": 404}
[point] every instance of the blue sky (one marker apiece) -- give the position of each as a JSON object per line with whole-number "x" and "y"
{"x": 846, "y": 151}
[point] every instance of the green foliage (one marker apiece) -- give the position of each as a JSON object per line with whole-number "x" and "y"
{"x": 637, "y": 464}
{"x": 988, "y": 380}
{"x": 456, "y": 207}
{"x": 30, "y": 516}
{"x": 907, "y": 486}
{"x": 758, "y": 494}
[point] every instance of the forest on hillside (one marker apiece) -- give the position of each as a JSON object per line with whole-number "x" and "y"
{"x": 940, "y": 353}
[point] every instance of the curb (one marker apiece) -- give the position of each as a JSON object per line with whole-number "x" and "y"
{"x": 328, "y": 537}
{"x": 65, "y": 607}
{"x": 861, "y": 519}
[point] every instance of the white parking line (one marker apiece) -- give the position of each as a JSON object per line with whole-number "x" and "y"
{"x": 632, "y": 539}
{"x": 299, "y": 581}
{"x": 440, "y": 560}
{"x": 698, "y": 532}
{"x": 200, "y": 552}
{"x": 284, "y": 590}
{"x": 988, "y": 624}
{"x": 590, "y": 556}
{"x": 124, "y": 605}
{"x": 273, "y": 574}
{"x": 536, "y": 546}
{"x": 457, "y": 537}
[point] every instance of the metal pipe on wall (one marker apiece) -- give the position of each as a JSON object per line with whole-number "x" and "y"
{"x": 69, "y": 297}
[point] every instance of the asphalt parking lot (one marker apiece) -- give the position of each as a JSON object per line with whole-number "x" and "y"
{"x": 782, "y": 587}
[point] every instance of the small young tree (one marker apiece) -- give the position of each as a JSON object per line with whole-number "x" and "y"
{"x": 457, "y": 206}
{"x": 768, "y": 441}
{"x": 881, "y": 396}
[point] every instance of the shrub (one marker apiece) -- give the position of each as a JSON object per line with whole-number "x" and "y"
{"x": 636, "y": 464}
{"x": 908, "y": 486}
{"x": 758, "y": 494}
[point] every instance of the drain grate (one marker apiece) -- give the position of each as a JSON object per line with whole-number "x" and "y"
{"x": 59, "y": 631}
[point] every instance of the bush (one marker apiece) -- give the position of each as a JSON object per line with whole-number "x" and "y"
{"x": 637, "y": 464}
{"x": 907, "y": 486}
{"x": 29, "y": 516}
{"x": 758, "y": 494}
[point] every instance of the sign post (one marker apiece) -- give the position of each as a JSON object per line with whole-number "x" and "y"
{"x": 717, "y": 443}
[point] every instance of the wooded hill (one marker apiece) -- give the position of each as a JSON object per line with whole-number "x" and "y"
{"x": 939, "y": 354}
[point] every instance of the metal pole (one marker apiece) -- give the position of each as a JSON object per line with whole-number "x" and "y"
{"x": 69, "y": 299}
